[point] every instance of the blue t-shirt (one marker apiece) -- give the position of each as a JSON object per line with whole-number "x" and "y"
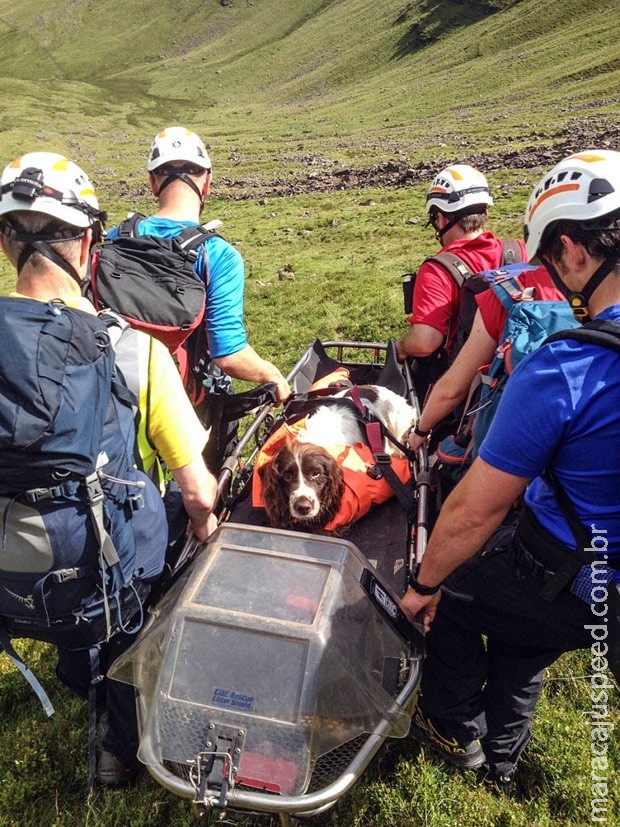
{"x": 224, "y": 312}
{"x": 561, "y": 409}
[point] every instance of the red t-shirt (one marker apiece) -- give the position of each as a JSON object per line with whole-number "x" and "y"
{"x": 492, "y": 310}
{"x": 436, "y": 296}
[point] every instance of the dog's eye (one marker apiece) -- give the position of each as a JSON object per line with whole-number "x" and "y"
{"x": 315, "y": 475}
{"x": 288, "y": 473}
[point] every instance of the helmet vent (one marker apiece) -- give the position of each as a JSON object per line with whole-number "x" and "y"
{"x": 599, "y": 188}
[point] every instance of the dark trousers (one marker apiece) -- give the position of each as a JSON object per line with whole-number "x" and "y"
{"x": 115, "y": 699}
{"x": 487, "y": 687}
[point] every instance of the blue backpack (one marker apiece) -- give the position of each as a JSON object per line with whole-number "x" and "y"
{"x": 528, "y": 324}
{"x": 74, "y": 509}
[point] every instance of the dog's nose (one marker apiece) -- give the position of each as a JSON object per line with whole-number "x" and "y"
{"x": 303, "y": 506}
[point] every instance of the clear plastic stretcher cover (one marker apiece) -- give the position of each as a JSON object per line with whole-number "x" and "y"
{"x": 268, "y": 633}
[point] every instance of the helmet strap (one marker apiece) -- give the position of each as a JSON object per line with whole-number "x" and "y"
{"x": 44, "y": 249}
{"x": 579, "y": 301}
{"x": 182, "y": 176}
{"x": 474, "y": 209}
{"x": 439, "y": 234}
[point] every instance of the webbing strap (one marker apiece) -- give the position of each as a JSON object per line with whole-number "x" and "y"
{"x": 455, "y": 265}
{"x": 95, "y": 501}
{"x": 95, "y": 678}
{"x": 511, "y": 251}
{"x": 402, "y": 492}
{"x": 107, "y": 550}
{"x": 510, "y": 291}
{"x": 460, "y": 271}
{"x": 5, "y": 645}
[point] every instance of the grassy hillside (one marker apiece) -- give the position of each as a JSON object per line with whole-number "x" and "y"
{"x": 326, "y": 120}
{"x": 364, "y": 79}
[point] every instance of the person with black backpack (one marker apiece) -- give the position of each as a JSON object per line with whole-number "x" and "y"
{"x": 514, "y": 599}
{"x": 439, "y": 297}
{"x": 87, "y": 407}
{"x": 180, "y": 172}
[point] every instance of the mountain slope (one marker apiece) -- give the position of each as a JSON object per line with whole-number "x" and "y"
{"x": 349, "y": 73}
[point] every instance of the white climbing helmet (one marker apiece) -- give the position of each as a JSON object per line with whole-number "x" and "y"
{"x": 457, "y": 187}
{"x": 583, "y": 187}
{"x": 175, "y": 143}
{"x": 49, "y": 183}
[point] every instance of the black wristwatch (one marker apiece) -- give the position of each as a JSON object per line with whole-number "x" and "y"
{"x": 425, "y": 591}
{"x": 419, "y": 432}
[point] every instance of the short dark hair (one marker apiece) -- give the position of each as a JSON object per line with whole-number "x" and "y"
{"x": 599, "y": 242}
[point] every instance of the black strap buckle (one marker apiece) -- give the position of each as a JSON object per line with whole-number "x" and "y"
{"x": 35, "y": 495}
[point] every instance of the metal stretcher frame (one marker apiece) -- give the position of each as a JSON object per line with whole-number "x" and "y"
{"x": 423, "y": 472}
{"x": 213, "y": 802}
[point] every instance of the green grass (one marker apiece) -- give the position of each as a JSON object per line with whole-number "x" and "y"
{"x": 285, "y": 91}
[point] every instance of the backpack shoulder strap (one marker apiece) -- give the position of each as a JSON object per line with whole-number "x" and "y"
{"x": 455, "y": 265}
{"x": 509, "y": 291}
{"x": 128, "y": 227}
{"x": 123, "y": 338}
{"x": 600, "y": 332}
{"x": 191, "y": 238}
{"x": 511, "y": 251}
{"x": 604, "y": 333}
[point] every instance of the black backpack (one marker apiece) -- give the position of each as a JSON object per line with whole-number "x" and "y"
{"x": 150, "y": 281}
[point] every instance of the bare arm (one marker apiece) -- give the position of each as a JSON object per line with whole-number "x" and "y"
{"x": 420, "y": 340}
{"x": 199, "y": 492}
{"x": 453, "y": 386}
{"x": 246, "y": 364}
{"x": 467, "y": 519}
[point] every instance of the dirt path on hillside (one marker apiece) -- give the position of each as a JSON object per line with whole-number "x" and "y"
{"x": 396, "y": 173}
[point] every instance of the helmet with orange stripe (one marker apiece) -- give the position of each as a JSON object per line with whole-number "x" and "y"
{"x": 457, "y": 191}
{"x": 458, "y": 187}
{"x": 580, "y": 197}
{"x": 585, "y": 187}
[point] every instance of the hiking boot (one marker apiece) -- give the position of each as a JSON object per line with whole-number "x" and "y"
{"x": 503, "y": 783}
{"x": 111, "y": 772}
{"x": 465, "y": 756}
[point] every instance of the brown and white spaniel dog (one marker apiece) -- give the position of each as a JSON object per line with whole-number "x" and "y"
{"x": 303, "y": 484}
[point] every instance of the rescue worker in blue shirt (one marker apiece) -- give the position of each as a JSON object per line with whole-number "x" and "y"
{"x": 180, "y": 177}
{"x": 550, "y": 585}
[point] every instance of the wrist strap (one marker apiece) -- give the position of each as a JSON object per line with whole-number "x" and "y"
{"x": 419, "y": 432}
{"x": 425, "y": 591}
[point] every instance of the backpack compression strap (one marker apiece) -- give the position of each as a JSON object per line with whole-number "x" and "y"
{"x": 509, "y": 291}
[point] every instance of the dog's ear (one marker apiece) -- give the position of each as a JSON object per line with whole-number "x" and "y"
{"x": 274, "y": 466}
{"x": 275, "y": 502}
{"x": 282, "y": 460}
